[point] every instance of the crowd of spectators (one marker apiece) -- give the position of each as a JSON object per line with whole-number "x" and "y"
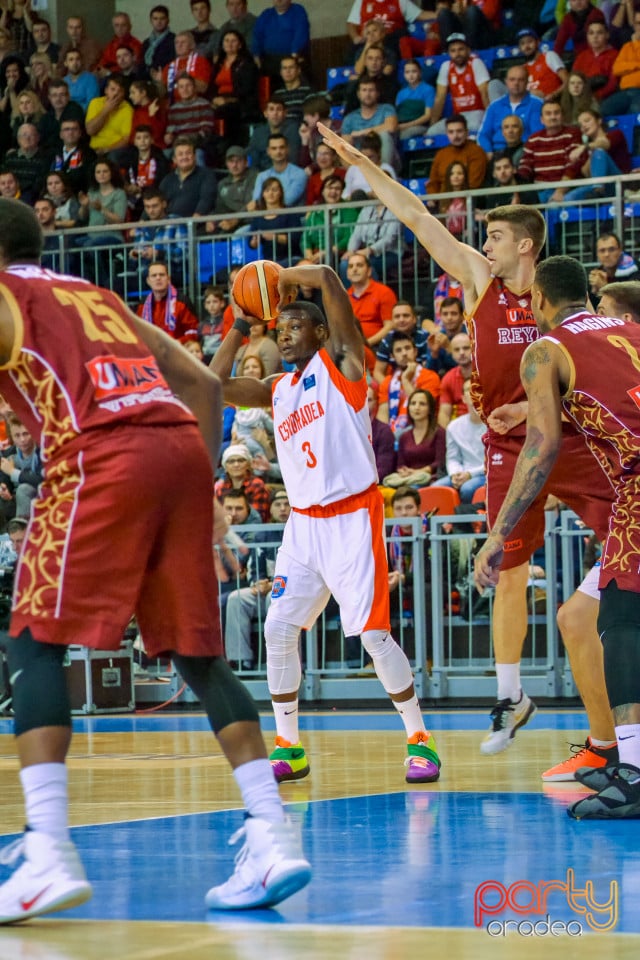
{"x": 113, "y": 138}
{"x": 122, "y": 140}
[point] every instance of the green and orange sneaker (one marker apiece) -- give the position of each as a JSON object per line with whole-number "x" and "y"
{"x": 423, "y": 763}
{"x": 289, "y": 761}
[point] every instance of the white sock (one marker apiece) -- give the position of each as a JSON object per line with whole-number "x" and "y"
{"x": 508, "y": 675}
{"x": 411, "y": 715}
{"x": 603, "y": 744}
{"x": 286, "y": 716}
{"x": 628, "y": 735}
{"x": 259, "y": 790}
{"x": 46, "y": 798}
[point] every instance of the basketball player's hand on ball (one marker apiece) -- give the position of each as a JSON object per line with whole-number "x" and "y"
{"x": 288, "y": 291}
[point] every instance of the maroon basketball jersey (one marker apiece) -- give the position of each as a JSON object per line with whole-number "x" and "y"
{"x": 603, "y": 397}
{"x": 77, "y": 362}
{"x": 501, "y": 327}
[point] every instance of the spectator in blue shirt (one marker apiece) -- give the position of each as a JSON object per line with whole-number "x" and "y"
{"x": 414, "y": 102}
{"x": 292, "y": 177}
{"x": 372, "y": 117}
{"x": 83, "y": 86}
{"x": 516, "y": 102}
{"x": 279, "y": 30}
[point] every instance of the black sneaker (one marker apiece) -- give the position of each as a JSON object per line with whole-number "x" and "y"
{"x": 596, "y": 778}
{"x": 619, "y": 800}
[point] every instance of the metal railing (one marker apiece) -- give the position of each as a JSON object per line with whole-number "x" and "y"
{"x": 439, "y": 619}
{"x": 199, "y": 257}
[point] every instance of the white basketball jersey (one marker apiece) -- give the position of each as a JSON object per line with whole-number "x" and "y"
{"x": 323, "y": 434}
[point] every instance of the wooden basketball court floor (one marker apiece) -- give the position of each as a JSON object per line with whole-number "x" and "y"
{"x": 399, "y": 871}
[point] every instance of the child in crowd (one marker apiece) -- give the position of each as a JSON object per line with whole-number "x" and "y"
{"x": 455, "y": 209}
{"x": 210, "y": 327}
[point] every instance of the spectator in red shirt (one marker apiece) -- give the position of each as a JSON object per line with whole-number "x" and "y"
{"x": 162, "y": 307}
{"x": 122, "y": 36}
{"x": 372, "y": 302}
{"x": 547, "y": 73}
{"x": 574, "y": 25}
{"x": 596, "y": 62}
{"x": 148, "y": 111}
{"x": 408, "y": 375}
{"x": 186, "y": 61}
{"x": 451, "y": 394}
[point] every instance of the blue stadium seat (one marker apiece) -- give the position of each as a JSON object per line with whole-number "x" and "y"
{"x": 506, "y": 53}
{"x": 487, "y": 56}
{"x": 337, "y": 75}
{"x": 626, "y": 124}
{"x": 424, "y": 143}
{"x": 218, "y": 256}
{"x": 337, "y": 111}
{"x": 417, "y": 185}
{"x": 418, "y": 29}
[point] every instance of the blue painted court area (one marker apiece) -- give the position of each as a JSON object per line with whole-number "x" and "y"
{"x": 196, "y": 722}
{"x": 406, "y": 859}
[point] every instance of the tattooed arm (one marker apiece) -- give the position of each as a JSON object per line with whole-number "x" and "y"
{"x": 541, "y": 376}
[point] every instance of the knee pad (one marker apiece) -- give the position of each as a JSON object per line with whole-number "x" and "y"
{"x": 39, "y": 683}
{"x": 284, "y": 672}
{"x": 619, "y": 629}
{"x": 223, "y": 697}
{"x": 390, "y": 662}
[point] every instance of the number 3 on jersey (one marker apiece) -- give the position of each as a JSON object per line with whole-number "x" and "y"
{"x": 312, "y": 460}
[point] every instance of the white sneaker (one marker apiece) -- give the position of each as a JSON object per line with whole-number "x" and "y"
{"x": 507, "y": 717}
{"x": 51, "y": 878}
{"x": 269, "y": 868}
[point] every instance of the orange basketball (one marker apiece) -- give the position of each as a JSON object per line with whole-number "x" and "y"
{"x": 255, "y": 289}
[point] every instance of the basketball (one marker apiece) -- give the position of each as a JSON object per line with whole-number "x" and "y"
{"x": 255, "y": 289}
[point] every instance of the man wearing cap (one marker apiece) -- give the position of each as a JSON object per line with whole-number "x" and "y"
{"x": 547, "y": 73}
{"x": 516, "y": 102}
{"x": 234, "y": 191}
{"x": 466, "y": 78}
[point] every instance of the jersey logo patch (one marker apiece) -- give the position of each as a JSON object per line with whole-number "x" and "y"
{"x": 511, "y": 545}
{"x": 519, "y": 316}
{"x": 118, "y": 376}
{"x": 634, "y": 393}
{"x": 278, "y": 587}
{"x": 309, "y": 382}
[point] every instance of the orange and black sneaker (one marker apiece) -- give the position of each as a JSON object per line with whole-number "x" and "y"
{"x": 582, "y": 756}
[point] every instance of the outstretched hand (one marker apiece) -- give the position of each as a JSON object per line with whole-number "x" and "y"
{"x": 487, "y": 564}
{"x": 345, "y": 150}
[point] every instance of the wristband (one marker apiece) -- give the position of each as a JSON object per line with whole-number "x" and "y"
{"x": 242, "y": 325}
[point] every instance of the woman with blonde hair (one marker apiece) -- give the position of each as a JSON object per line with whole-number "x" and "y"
{"x": 29, "y": 109}
{"x": 41, "y": 72}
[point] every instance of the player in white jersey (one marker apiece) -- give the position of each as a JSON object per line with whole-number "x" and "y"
{"x": 334, "y": 538}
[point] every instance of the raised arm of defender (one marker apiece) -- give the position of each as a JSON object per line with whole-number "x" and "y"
{"x": 461, "y": 261}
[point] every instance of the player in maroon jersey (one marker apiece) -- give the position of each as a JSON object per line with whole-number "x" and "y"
{"x": 497, "y": 295}
{"x": 587, "y": 368}
{"x": 115, "y": 403}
